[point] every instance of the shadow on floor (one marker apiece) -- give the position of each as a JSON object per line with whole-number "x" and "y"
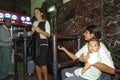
{"x": 29, "y": 77}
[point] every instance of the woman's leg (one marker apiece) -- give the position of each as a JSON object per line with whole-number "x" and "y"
{"x": 70, "y": 70}
{"x": 44, "y": 72}
{"x": 75, "y": 78}
{"x": 105, "y": 76}
{"x": 38, "y": 71}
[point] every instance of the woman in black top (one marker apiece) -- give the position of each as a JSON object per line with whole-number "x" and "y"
{"x": 41, "y": 29}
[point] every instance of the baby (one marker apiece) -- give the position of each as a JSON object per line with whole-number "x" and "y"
{"x": 88, "y": 71}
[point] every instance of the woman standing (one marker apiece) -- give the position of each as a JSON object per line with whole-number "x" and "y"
{"x": 41, "y": 30}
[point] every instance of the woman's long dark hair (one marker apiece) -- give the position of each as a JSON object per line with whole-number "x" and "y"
{"x": 33, "y": 19}
{"x": 37, "y": 8}
{"x": 95, "y": 30}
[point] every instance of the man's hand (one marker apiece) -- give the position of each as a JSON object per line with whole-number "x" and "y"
{"x": 15, "y": 36}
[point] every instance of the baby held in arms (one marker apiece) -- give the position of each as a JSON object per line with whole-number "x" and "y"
{"x": 88, "y": 71}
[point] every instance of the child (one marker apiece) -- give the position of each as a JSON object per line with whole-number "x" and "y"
{"x": 88, "y": 71}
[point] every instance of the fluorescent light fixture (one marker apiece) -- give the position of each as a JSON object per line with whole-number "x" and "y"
{"x": 65, "y": 1}
{"x": 51, "y": 9}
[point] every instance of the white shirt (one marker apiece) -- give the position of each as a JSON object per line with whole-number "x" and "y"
{"x": 92, "y": 73}
{"x": 47, "y": 28}
{"x": 103, "y": 52}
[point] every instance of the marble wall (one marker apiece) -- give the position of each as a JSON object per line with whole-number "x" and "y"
{"x": 76, "y": 14}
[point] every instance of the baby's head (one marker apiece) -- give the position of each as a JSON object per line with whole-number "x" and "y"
{"x": 93, "y": 45}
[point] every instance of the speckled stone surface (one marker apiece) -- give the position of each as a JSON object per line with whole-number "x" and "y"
{"x": 75, "y": 15}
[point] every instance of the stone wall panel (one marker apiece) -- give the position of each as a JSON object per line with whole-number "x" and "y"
{"x": 104, "y": 13}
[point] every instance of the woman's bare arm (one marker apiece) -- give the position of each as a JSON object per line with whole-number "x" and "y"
{"x": 70, "y": 54}
{"x": 42, "y": 32}
{"x": 103, "y": 67}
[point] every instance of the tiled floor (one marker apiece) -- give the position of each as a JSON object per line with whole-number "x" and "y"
{"x": 21, "y": 74}
{"x": 32, "y": 77}
{"x": 28, "y": 77}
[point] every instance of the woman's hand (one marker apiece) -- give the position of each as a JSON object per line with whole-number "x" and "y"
{"x": 33, "y": 29}
{"x": 83, "y": 58}
{"x": 60, "y": 47}
{"x": 30, "y": 33}
{"x": 39, "y": 30}
{"x": 70, "y": 54}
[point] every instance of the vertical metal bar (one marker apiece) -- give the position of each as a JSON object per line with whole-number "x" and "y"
{"x": 78, "y": 40}
{"x": 55, "y": 68}
{"x": 25, "y": 56}
{"x": 15, "y": 61}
